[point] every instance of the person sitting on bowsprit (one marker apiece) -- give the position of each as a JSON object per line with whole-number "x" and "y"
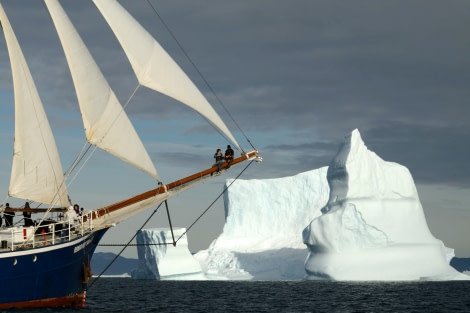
{"x": 219, "y": 160}
{"x": 229, "y": 156}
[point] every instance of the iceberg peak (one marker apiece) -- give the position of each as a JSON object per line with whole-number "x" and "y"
{"x": 373, "y": 226}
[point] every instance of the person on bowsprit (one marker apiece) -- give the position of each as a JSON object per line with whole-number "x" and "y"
{"x": 229, "y": 156}
{"x": 219, "y": 160}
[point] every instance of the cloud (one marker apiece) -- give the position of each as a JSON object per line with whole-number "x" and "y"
{"x": 434, "y": 155}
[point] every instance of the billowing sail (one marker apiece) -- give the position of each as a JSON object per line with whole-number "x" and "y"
{"x": 153, "y": 66}
{"x": 36, "y": 170}
{"x": 106, "y": 124}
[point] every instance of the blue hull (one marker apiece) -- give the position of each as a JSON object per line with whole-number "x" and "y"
{"x": 54, "y": 275}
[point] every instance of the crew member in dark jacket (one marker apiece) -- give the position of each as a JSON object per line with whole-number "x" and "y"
{"x": 27, "y": 216}
{"x": 229, "y": 156}
{"x": 8, "y": 216}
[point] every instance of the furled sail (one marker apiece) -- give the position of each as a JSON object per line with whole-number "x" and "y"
{"x": 106, "y": 124}
{"x": 36, "y": 169}
{"x": 153, "y": 66}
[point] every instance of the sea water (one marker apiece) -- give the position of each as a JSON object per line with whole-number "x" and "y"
{"x": 129, "y": 295}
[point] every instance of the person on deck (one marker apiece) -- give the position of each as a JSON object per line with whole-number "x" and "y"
{"x": 8, "y": 216}
{"x": 229, "y": 156}
{"x": 219, "y": 159}
{"x": 76, "y": 208}
{"x": 70, "y": 218}
{"x": 27, "y": 216}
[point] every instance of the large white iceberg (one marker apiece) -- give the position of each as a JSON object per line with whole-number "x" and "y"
{"x": 373, "y": 226}
{"x": 262, "y": 235}
{"x": 159, "y": 259}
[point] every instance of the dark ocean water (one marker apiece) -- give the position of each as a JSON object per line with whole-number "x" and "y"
{"x": 128, "y": 295}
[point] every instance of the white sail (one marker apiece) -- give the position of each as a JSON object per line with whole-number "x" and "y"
{"x": 153, "y": 66}
{"x": 36, "y": 169}
{"x": 106, "y": 124}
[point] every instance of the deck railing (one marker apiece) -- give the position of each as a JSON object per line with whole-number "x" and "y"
{"x": 47, "y": 233}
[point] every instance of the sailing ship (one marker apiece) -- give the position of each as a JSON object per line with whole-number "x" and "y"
{"x": 48, "y": 264}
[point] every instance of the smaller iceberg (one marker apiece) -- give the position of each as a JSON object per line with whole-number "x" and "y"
{"x": 159, "y": 259}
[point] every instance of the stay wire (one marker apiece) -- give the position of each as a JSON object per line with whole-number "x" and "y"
{"x": 189, "y": 227}
{"x": 213, "y": 202}
{"x": 221, "y": 103}
{"x": 122, "y": 250}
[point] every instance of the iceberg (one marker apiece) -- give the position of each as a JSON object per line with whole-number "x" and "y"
{"x": 262, "y": 234}
{"x": 159, "y": 259}
{"x": 358, "y": 219}
{"x": 373, "y": 226}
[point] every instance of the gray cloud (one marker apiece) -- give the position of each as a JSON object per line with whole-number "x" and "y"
{"x": 296, "y": 76}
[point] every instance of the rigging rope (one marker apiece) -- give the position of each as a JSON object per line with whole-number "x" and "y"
{"x": 213, "y": 202}
{"x": 187, "y": 229}
{"x": 221, "y": 103}
{"x": 77, "y": 161}
{"x": 122, "y": 250}
{"x": 86, "y": 148}
{"x": 169, "y": 221}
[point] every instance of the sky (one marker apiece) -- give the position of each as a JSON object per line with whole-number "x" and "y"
{"x": 295, "y": 76}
